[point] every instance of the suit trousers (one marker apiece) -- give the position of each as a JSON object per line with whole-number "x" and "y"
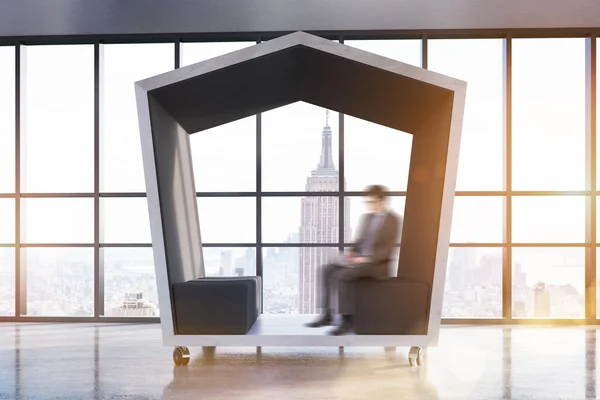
{"x": 338, "y": 278}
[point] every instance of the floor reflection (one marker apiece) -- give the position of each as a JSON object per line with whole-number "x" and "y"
{"x": 590, "y": 364}
{"x": 506, "y": 363}
{"x": 278, "y": 374}
{"x": 79, "y": 361}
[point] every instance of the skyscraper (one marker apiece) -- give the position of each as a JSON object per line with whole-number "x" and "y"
{"x": 319, "y": 224}
{"x": 541, "y": 301}
{"x": 227, "y": 262}
{"x": 463, "y": 265}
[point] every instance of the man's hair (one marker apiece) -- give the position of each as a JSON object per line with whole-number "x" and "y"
{"x": 377, "y": 191}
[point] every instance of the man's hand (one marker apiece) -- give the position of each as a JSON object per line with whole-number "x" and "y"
{"x": 354, "y": 258}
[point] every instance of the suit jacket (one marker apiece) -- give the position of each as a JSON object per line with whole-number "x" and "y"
{"x": 385, "y": 239}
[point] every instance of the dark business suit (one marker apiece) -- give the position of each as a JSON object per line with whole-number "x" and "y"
{"x": 375, "y": 242}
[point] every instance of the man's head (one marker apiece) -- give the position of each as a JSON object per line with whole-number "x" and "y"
{"x": 376, "y": 198}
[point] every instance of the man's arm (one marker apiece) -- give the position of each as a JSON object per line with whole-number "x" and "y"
{"x": 383, "y": 249}
{"x": 359, "y": 235}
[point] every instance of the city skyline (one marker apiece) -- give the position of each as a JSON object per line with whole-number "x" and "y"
{"x": 292, "y": 286}
{"x": 479, "y": 284}
{"x": 323, "y": 178}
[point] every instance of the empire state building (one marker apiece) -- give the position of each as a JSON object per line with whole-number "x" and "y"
{"x": 319, "y": 224}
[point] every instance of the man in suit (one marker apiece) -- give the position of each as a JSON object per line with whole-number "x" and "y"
{"x": 369, "y": 257}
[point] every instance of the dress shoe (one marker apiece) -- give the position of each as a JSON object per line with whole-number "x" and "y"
{"x": 324, "y": 320}
{"x": 343, "y": 329}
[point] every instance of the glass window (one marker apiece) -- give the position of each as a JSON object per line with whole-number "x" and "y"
{"x": 597, "y": 223}
{"x": 7, "y": 119}
{"x": 548, "y": 133}
{"x": 121, "y": 153}
{"x": 300, "y": 149}
{"x": 125, "y": 220}
{"x": 57, "y": 220}
{"x": 375, "y": 154}
{"x": 227, "y": 219}
{"x": 7, "y": 281}
{"x": 477, "y": 219}
{"x": 548, "y": 219}
{"x": 473, "y": 283}
{"x": 224, "y": 157}
{"x": 60, "y": 281}
{"x": 310, "y": 219}
{"x": 58, "y": 134}
{"x": 291, "y": 278}
{"x": 407, "y": 51}
{"x": 357, "y": 209}
{"x": 7, "y": 221}
{"x": 479, "y": 62}
{"x": 229, "y": 261}
{"x": 394, "y": 263}
{"x": 548, "y": 282}
{"x": 195, "y": 52}
{"x": 597, "y": 115}
{"x": 129, "y": 282}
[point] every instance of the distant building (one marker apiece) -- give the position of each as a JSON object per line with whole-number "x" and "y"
{"x": 519, "y": 309}
{"x": 489, "y": 273}
{"x": 519, "y": 277}
{"x": 463, "y": 268}
{"x": 319, "y": 224}
{"x": 541, "y": 301}
{"x": 227, "y": 262}
{"x": 247, "y": 263}
{"x": 134, "y": 306}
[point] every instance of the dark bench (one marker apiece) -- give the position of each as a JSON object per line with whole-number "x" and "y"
{"x": 217, "y": 305}
{"x": 389, "y": 306}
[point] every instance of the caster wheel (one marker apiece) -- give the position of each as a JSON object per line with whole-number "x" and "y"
{"x": 209, "y": 350}
{"x": 181, "y": 355}
{"x": 415, "y": 356}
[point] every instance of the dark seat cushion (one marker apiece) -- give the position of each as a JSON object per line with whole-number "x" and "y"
{"x": 218, "y": 306}
{"x": 390, "y": 307}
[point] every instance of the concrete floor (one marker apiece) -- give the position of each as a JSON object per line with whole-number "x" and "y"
{"x": 83, "y": 361}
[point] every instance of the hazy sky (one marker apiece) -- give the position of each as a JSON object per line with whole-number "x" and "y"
{"x": 57, "y": 156}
